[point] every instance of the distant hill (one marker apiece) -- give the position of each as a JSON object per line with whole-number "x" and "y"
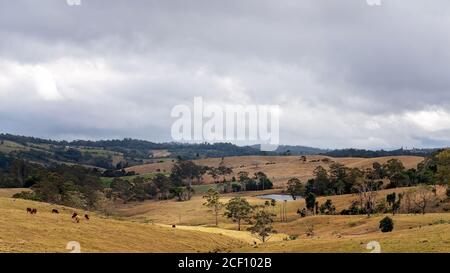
{"x": 299, "y": 150}
{"x": 111, "y": 154}
{"x": 379, "y": 153}
{"x": 118, "y": 154}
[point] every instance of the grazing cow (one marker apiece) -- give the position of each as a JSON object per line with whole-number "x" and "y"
{"x": 29, "y": 210}
{"x": 174, "y": 226}
{"x": 86, "y": 217}
{"x": 76, "y": 218}
{"x": 34, "y": 211}
{"x": 55, "y": 211}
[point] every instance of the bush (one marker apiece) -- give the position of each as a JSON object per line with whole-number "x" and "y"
{"x": 236, "y": 187}
{"x": 27, "y": 196}
{"x": 386, "y": 224}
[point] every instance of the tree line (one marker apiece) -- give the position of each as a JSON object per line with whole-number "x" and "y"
{"x": 77, "y": 186}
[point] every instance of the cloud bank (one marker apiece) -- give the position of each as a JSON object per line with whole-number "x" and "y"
{"x": 345, "y": 74}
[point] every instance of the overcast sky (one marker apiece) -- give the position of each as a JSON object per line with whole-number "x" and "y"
{"x": 344, "y": 73}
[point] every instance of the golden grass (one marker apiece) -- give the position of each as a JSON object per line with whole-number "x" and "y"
{"x": 47, "y": 232}
{"x": 147, "y": 228}
{"x": 412, "y": 233}
{"x": 11, "y": 192}
{"x": 193, "y": 213}
{"x": 243, "y": 235}
{"x": 285, "y": 167}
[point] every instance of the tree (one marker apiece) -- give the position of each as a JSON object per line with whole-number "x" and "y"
{"x": 243, "y": 178}
{"x": 443, "y": 167}
{"x": 394, "y": 202}
{"x": 185, "y": 170}
{"x": 378, "y": 170}
{"x": 393, "y": 166}
{"x": 214, "y": 173}
{"x": 399, "y": 179}
{"x": 295, "y": 188}
{"x": 178, "y": 192}
{"x": 310, "y": 200}
{"x": 390, "y": 198}
{"x": 367, "y": 192}
{"x": 224, "y": 170}
{"x": 322, "y": 182}
{"x": 397, "y": 204}
{"x": 264, "y": 182}
{"x": 328, "y": 208}
{"x": 163, "y": 185}
{"x": 263, "y": 225}
{"x": 386, "y": 224}
{"x": 338, "y": 173}
{"x": 424, "y": 196}
{"x": 238, "y": 209}
{"x": 213, "y": 201}
{"x": 123, "y": 189}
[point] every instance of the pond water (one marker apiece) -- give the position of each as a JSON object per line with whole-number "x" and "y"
{"x": 278, "y": 197}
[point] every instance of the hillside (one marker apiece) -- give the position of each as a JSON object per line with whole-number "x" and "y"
{"x": 350, "y": 234}
{"x": 332, "y": 233}
{"x": 47, "y": 232}
{"x": 113, "y": 154}
{"x": 147, "y": 227}
{"x": 279, "y": 168}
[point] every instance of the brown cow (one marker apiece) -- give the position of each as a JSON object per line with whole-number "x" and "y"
{"x": 76, "y": 218}
{"x": 34, "y": 211}
{"x": 29, "y": 210}
{"x": 55, "y": 211}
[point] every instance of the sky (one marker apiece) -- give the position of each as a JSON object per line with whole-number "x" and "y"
{"x": 344, "y": 73}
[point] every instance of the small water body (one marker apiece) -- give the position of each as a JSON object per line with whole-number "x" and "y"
{"x": 278, "y": 197}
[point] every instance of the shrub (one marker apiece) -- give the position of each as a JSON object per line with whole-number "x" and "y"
{"x": 27, "y": 196}
{"x": 236, "y": 187}
{"x": 386, "y": 224}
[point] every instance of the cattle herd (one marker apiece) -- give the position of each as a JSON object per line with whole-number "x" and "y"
{"x": 75, "y": 216}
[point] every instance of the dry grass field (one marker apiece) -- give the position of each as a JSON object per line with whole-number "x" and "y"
{"x": 279, "y": 168}
{"x": 147, "y": 226}
{"x": 193, "y": 213}
{"x": 351, "y": 234}
{"x": 47, "y": 232}
{"x": 11, "y": 192}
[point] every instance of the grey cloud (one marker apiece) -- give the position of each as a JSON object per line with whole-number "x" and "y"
{"x": 345, "y": 74}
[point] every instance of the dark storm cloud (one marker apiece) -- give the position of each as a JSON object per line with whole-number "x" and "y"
{"x": 345, "y": 73}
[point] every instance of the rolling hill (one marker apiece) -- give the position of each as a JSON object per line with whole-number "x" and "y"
{"x": 278, "y": 168}
{"x": 47, "y": 232}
